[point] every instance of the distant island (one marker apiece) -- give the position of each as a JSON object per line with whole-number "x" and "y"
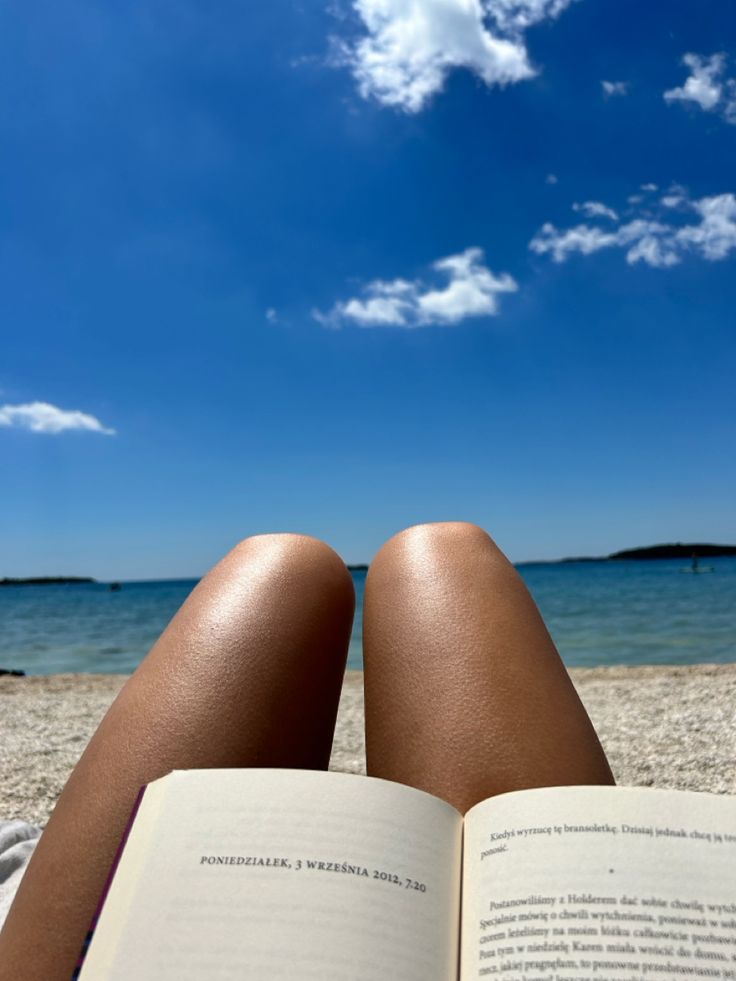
{"x": 679, "y": 550}
{"x": 46, "y": 581}
{"x": 676, "y": 550}
{"x": 673, "y": 550}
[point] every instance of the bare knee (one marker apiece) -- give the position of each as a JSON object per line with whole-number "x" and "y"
{"x": 291, "y": 557}
{"x": 450, "y": 538}
{"x": 457, "y": 552}
{"x": 289, "y": 544}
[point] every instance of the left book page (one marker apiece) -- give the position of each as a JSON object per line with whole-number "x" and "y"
{"x": 254, "y": 874}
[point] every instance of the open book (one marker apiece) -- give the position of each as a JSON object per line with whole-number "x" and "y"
{"x": 269, "y": 874}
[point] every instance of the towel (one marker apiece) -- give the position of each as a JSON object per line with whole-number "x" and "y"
{"x": 17, "y": 842}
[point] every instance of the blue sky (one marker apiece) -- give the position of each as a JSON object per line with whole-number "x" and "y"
{"x": 339, "y": 268}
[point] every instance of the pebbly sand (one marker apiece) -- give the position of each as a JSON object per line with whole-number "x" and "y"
{"x": 660, "y": 726}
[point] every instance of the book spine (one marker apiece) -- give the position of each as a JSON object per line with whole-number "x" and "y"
{"x": 108, "y": 883}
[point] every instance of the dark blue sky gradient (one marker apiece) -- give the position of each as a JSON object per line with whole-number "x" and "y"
{"x": 171, "y": 170}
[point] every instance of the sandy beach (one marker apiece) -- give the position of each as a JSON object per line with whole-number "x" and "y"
{"x": 660, "y": 726}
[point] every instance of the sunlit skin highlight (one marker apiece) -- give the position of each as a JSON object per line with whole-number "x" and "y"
{"x": 465, "y": 697}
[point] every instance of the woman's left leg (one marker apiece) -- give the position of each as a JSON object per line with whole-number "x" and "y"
{"x": 465, "y": 693}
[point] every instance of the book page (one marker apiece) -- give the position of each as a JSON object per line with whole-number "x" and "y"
{"x": 606, "y": 883}
{"x": 254, "y": 874}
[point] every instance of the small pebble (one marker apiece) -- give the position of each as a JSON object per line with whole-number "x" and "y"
{"x": 660, "y": 727}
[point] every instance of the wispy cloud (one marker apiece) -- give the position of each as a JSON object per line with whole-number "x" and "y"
{"x": 470, "y": 290}
{"x": 662, "y": 236}
{"x": 41, "y": 417}
{"x": 595, "y": 209}
{"x": 707, "y": 86}
{"x": 410, "y": 48}
{"x": 615, "y": 88}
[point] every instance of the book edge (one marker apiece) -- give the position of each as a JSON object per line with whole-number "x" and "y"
{"x": 108, "y": 883}
{"x": 606, "y": 789}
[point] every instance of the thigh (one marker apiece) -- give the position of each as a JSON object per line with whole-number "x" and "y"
{"x": 466, "y": 695}
{"x": 247, "y": 674}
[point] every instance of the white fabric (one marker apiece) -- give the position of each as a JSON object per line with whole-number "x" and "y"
{"x": 17, "y": 842}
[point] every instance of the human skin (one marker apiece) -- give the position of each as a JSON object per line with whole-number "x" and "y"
{"x": 248, "y": 673}
{"x": 465, "y": 693}
{"x": 466, "y": 697}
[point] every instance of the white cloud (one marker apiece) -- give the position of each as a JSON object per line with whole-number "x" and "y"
{"x": 615, "y": 88}
{"x": 715, "y": 234}
{"x": 551, "y": 179}
{"x": 707, "y": 86}
{"x": 675, "y": 196}
{"x": 728, "y": 109}
{"x": 41, "y": 417}
{"x": 411, "y": 47}
{"x": 650, "y": 242}
{"x": 649, "y": 187}
{"x": 388, "y": 305}
{"x": 672, "y": 200}
{"x": 470, "y": 290}
{"x": 701, "y": 85}
{"x": 517, "y": 15}
{"x": 581, "y": 238}
{"x": 595, "y": 209}
{"x": 708, "y": 230}
{"x": 272, "y": 315}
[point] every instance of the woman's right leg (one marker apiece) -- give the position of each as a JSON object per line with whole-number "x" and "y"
{"x": 248, "y": 673}
{"x": 465, "y": 693}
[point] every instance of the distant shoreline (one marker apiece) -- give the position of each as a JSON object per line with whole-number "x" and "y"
{"x": 47, "y": 581}
{"x": 673, "y": 550}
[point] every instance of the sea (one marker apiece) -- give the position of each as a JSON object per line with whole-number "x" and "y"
{"x": 598, "y": 612}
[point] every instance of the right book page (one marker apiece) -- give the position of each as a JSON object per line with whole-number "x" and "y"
{"x": 608, "y": 883}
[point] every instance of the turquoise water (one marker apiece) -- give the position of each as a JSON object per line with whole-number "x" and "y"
{"x": 597, "y": 612}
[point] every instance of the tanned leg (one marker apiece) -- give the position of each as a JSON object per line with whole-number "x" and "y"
{"x": 247, "y": 674}
{"x": 466, "y": 695}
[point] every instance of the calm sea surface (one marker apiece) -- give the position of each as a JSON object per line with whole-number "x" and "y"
{"x": 598, "y": 613}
